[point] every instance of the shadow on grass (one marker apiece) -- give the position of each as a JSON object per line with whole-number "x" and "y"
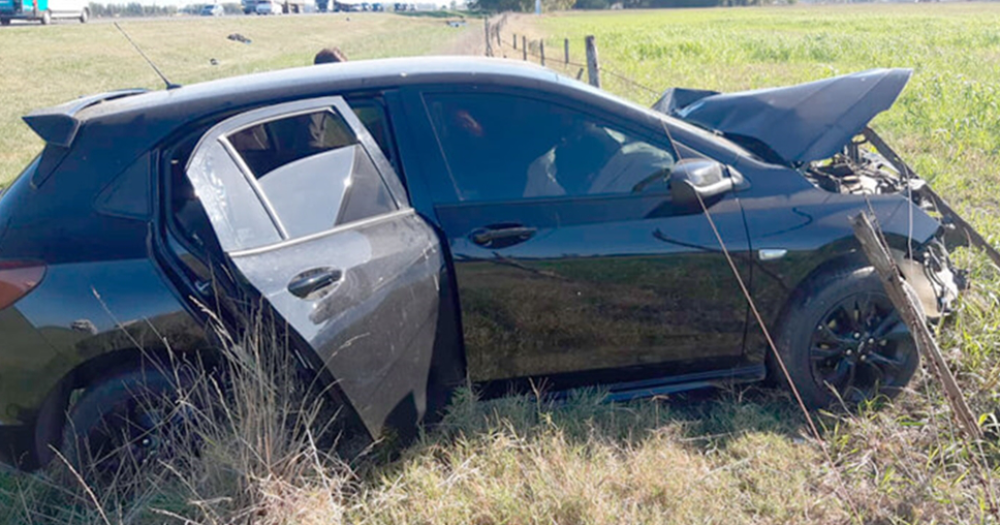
{"x": 701, "y": 420}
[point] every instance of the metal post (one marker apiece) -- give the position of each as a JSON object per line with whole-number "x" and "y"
{"x": 515, "y": 41}
{"x": 524, "y": 47}
{"x": 566, "y": 49}
{"x": 541, "y": 48}
{"x": 593, "y": 68}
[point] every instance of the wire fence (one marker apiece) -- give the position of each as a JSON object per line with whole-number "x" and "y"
{"x": 535, "y": 50}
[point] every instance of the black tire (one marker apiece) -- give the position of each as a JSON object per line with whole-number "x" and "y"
{"x": 4, "y": 21}
{"x": 842, "y": 340}
{"x": 46, "y": 17}
{"x": 84, "y": 15}
{"x": 127, "y": 421}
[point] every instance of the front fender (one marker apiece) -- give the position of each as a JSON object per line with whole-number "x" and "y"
{"x": 812, "y": 230}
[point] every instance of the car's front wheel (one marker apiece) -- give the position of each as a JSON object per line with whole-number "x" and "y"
{"x": 129, "y": 420}
{"x": 842, "y": 340}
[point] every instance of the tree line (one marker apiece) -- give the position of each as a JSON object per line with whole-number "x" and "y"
{"x": 497, "y": 6}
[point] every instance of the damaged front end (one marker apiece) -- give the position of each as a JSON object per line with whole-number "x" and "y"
{"x": 927, "y": 267}
{"x": 821, "y": 130}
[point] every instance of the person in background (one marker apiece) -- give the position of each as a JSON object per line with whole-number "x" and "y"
{"x": 330, "y": 55}
{"x": 318, "y": 121}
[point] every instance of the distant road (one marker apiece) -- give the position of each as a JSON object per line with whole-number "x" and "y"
{"x": 96, "y": 20}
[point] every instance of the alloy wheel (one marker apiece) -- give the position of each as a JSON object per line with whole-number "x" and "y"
{"x": 860, "y": 346}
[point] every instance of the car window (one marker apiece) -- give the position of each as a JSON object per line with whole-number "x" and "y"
{"x": 236, "y": 214}
{"x": 502, "y": 147}
{"x": 312, "y": 172}
{"x": 270, "y": 145}
{"x": 372, "y": 114}
{"x": 128, "y": 194}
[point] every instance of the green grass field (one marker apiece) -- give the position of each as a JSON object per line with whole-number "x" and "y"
{"x": 44, "y": 66}
{"x": 730, "y": 457}
{"x": 946, "y": 123}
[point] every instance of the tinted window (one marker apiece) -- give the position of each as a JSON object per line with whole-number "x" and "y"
{"x": 312, "y": 171}
{"x": 128, "y": 194}
{"x": 267, "y": 146}
{"x": 372, "y": 114}
{"x": 503, "y": 147}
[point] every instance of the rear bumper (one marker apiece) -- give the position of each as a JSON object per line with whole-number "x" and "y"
{"x": 18, "y": 15}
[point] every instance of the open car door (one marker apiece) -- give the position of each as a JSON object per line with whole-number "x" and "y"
{"x": 307, "y": 209}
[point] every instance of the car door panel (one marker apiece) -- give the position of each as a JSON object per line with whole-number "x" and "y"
{"x": 600, "y": 285}
{"x": 581, "y": 284}
{"x": 364, "y": 295}
{"x": 374, "y": 327}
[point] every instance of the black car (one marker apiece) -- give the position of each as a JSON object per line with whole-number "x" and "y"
{"x": 417, "y": 223}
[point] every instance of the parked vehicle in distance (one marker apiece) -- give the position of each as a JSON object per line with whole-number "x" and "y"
{"x": 278, "y": 7}
{"x": 347, "y": 7}
{"x": 418, "y": 223}
{"x": 43, "y": 10}
{"x": 212, "y": 10}
{"x": 268, "y": 7}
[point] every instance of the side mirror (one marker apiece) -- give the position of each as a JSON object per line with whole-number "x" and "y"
{"x": 693, "y": 178}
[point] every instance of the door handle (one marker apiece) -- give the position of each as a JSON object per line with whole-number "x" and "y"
{"x": 501, "y": 236}
{"x": 309, "y": 282}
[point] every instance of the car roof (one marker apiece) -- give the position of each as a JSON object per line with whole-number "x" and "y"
{"x": 315, "y": 80}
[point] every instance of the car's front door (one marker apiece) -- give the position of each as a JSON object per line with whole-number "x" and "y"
{"x": 312, "y": 215}
{"x": 570, "y": 256}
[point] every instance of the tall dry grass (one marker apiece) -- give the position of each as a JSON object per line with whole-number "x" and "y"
{"x": 733, "y": 456}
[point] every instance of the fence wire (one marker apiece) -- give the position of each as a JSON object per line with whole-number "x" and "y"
{"x": 549, "y": 61}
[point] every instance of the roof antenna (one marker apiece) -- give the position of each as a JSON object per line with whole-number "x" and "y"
{"x": 170, "y": 85}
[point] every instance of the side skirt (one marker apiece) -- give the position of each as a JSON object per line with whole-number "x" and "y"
{"x": 630, "y": 390}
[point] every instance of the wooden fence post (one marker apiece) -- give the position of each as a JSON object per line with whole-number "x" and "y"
{"x": 515, "y": 41}
{"x": 904, "y": 299}
{"x": 566, "y": 49}
{"x": 489, "y": 47}
{"x": 524, "y": 47}
{"x": 541, "y": 49}
{"x": 593, "y": 68}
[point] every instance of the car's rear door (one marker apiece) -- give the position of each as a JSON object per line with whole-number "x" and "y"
{"x": 308, "y": 210}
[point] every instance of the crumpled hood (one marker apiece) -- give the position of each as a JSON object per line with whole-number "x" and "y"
{"x": 798, "y": 124}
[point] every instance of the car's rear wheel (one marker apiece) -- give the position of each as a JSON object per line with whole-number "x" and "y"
{"x": 842, "y": 340}
{"x": 84, "y": 15}
{"x": 46, "y": 17}
{"x": 4, "y": 21}
{"x": 128, "y": 421}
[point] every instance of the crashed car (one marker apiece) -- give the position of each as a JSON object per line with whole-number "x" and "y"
{"x": 417, "y": 224}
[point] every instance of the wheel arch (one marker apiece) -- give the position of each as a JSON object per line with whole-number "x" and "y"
{"x": 846, "y": 255}
{"x": 52, "y": 415}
